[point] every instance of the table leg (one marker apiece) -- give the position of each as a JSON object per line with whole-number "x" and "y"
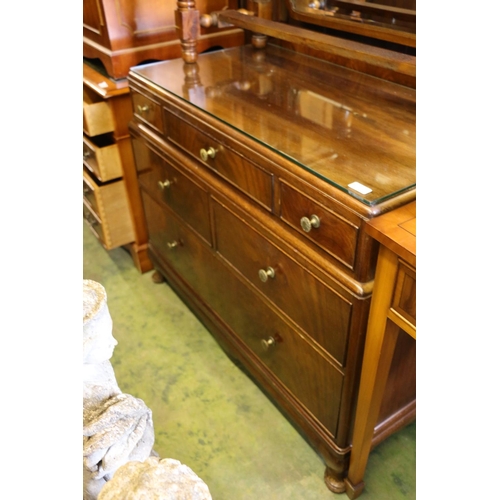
{"x": 380, "y": 342}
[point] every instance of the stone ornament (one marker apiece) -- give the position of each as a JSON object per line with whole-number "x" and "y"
{"x": 117, "y": 427}
{"x": 155, "y": 479}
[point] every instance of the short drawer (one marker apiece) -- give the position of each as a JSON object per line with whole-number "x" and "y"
{"x": 146, "y": 110}
{"x": 97, "y": 115}
{"x": 171, "y": 187}
{"x": 405, "y": 293}
{"x": 218, "y": 154}
{"x": 109, "y": 204}
{"x": 328, "y": 230}
{"x": 322, "y": 313}
{"x": 102, "y": 157}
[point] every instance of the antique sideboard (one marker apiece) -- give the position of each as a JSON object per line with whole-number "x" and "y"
{"x": 259, "y": 168}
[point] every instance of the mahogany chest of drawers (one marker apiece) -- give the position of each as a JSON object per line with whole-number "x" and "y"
{"x": 258, "y": 172}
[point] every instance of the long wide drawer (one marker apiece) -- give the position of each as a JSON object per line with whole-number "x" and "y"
{"x": 322, "y": 312}
{"x": 303, "y": 370}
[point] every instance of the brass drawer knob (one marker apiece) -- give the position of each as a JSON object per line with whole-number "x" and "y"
{"x": 264, "y": 274}
{"x": 143, "y": 109}
{"x": 207, "y": 153}
{"x": 307, "y": 224}
{"x": 165, "y": 184}
{"x": 173, "y": 244}
{"x": 267, "y": 343}
{"x": 86, "y": 154}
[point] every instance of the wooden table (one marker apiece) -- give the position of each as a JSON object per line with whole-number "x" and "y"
{"x": 393, "y": 308}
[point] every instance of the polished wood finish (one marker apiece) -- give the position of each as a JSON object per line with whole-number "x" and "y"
{"x": 290, "y": 305}
{"x": 387, "y": 30}
{"x": 395, "y": 61}
{"x": 108, "y": 158}
{"x": 393, "y": 310}
{"x": 125, "y": 33}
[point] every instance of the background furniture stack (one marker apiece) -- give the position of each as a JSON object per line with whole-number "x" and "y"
{"x": 117, "y": 35}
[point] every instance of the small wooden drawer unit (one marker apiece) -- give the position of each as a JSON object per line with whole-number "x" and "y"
{"x": 256, "y": 212}
{"x": 112, "y": 205}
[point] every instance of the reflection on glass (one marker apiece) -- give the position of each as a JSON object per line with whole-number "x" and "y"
{"x": 343, "y": 126}
{"x": 394, "y": 14}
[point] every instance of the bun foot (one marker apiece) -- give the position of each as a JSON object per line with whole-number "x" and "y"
{"x": 157, "y": 277}
{"x": 333, "y": 481}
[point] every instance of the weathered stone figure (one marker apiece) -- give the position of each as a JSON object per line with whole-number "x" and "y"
{"x": 117, "y": 427}
{"x": 155, "y": 479}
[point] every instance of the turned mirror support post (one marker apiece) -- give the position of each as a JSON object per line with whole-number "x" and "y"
{"x": 187, "y": 23}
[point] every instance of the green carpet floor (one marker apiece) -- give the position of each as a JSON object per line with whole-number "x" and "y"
{"x": 206, "y": 412}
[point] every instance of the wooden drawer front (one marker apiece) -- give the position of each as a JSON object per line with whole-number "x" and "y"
{"x": 320, "y": 311}
{"x": 109, "y": 203}
{"x": 177, "y": 244}
{"x": 235, "y": 168}
{"x": 102, "y": 157}
{"x": 302, "y": 369}
{"x": 314, "y": 381}
{"x": 97, "y": 115}
{"x": 405, "y": 293}
{"x": 168, "y": 185}
{"x": 146, "y": 110}
{"x": 309, "y": 376}
{"x": 335, "y": 235}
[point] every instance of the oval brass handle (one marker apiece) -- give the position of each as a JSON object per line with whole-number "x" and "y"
{"x": 267, "y": 343}
{"x": 306, "y": 224}
{"x": 86, "y": 154}
{"x": 173, "y": 244}
{"x": 165, "y": 184}
{"x": 207, "y": 153}
{"x": 264, "y": 274}
{"x": 142, "y": 109}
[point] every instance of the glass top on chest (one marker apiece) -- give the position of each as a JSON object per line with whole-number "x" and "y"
{"x": 355, "y": 131}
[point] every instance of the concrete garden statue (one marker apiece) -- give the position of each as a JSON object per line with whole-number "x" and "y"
{"x": 117, "y": 427}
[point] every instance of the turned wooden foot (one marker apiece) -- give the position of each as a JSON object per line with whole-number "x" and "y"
{"x": 333, "y": 481}
{"x": 157, "y": 277}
